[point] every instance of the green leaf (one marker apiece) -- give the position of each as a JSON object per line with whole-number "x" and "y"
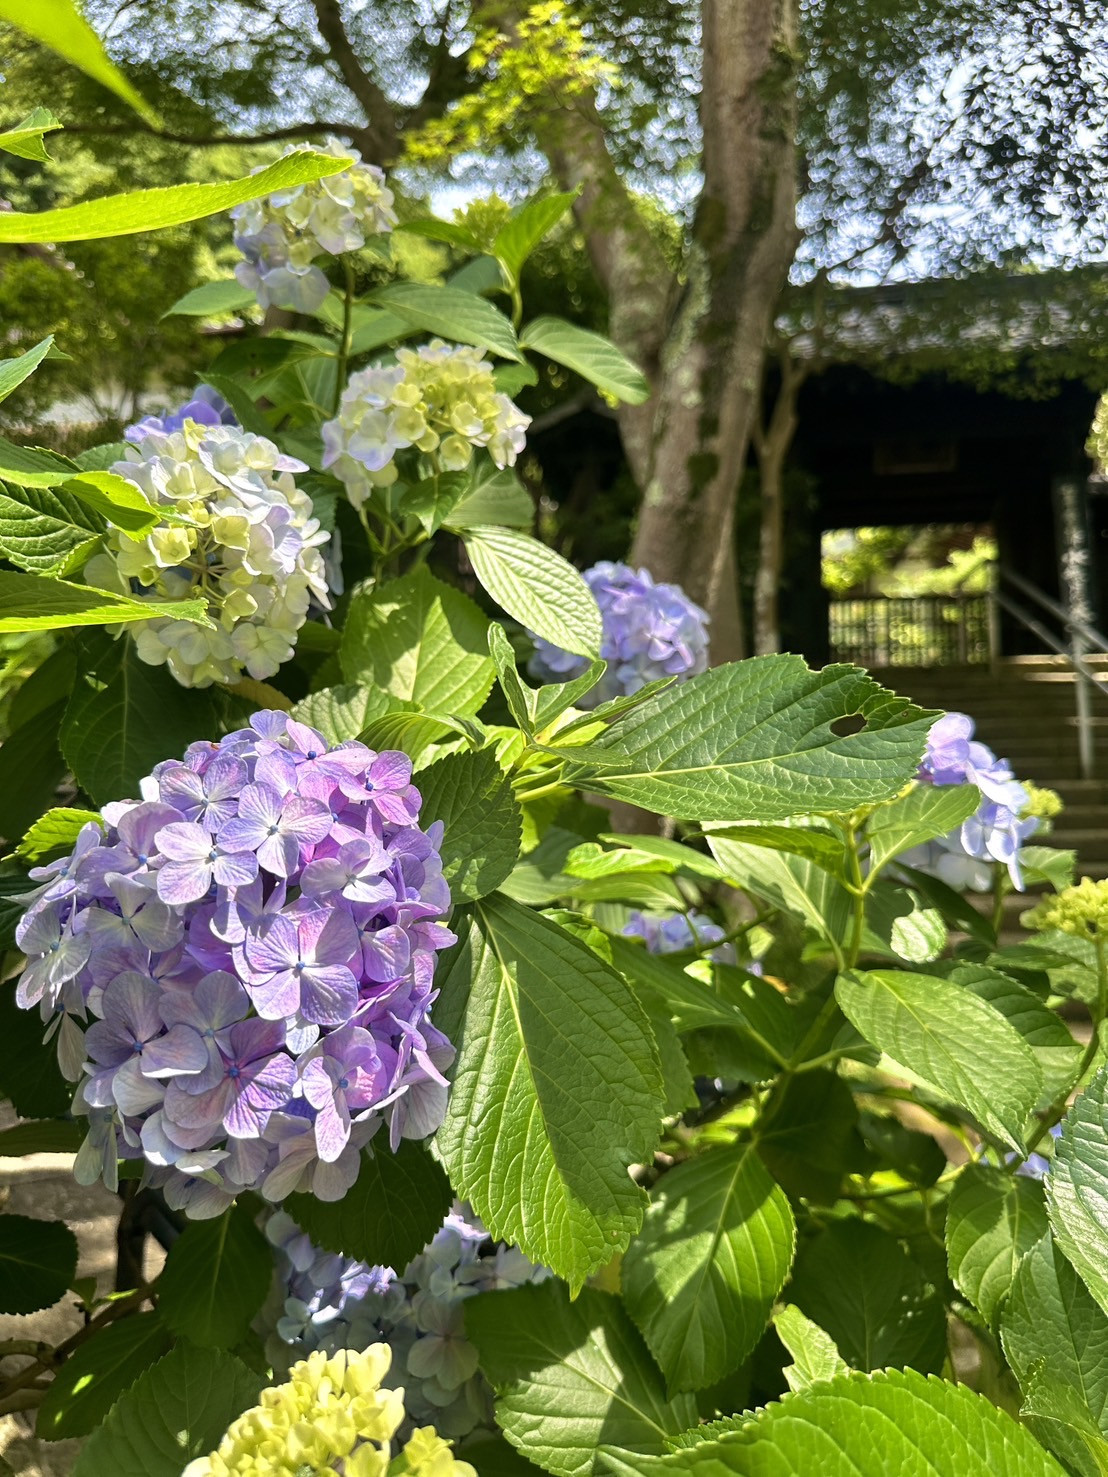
{"x": 33, "y": 466}
{"x": 342, "y": 712}
{"x": 57, "y": 830}
{"x": 29, "y": 1074}
{"x": 813, "y": 1350}
{"x": 473, "y": 798}
{"x": 125, "y": 716}
{"x": 569, "y": 1376}
{"x": 101, "y": 458}
{"x": 892, "y": 1424}
{"x": 38, "y": 1261}
{"x": 556, "y": 1089}
{"x": 811, "y": 844}
{"x": 992, "y": 1219}
{"x": 922, "y": 814}
{"x": 93, "y": 1378}
{"x": 1046, "y": 1033}
{"x": 453, "y": 233}
{"x": 172, "y": 205}
{"x": 215, "y": 1279}
{"x": 537, "y": 587}
{"x": 701, "y": 1276}
{"x": 50, "y": 1136}
{"x": 46, "y": 531}
{"x": 1051, "y": 1317}
{"x": 862, "y": 1288}
{"x": 14, "y": 371}
{"x": 535, "y": 708}
{"x": 522, "y": 232}
{"x": 788, "y": 882}
{"x": 915, "y": 1156}
{"x": 176, "y": 1411}
{"x": 432, "y": 499}
{"x": 1048, "y": 864}
{"x": 1077, "y": 1187}
{"x": 950, "y": 1042}
{"x": 812, "y": 1141}
{"x": 754, "y": 741}
{"x": 211, "y": 299}
{"x": 594, "y": 358}
{"x": 59, "y": 25}
{"x": 119, "y": 501}
{"x": 452, "y": 313}
{"x": 417, "y": 638}
{"x": 36, "y": 603}
{"x": 31, "y": 769}
{"x": 1061, "y": 1419}
{"x": 388, "y": 1215}
{"x": 494, "y": 496}
{"x": 25, "y": 139}
{"x": 510, "y": 379}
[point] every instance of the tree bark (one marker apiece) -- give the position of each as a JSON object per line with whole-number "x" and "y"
{"x": 772, "y": 442}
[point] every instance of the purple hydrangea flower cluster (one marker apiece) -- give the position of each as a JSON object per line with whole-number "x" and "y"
{"x": 678, "y": 931}
{"x": 995, "y": 832}
{"x": 331, "y": 1302}
{"x": 254, "y": 941}
{"x": 650, "y": 631}
{"x": 207, "y": 408}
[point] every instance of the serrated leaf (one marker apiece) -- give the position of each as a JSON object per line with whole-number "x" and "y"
{"x": 556, "y": 1091}
{"x": 57, "y": 830}
{"x": 896, "y": 1423}
{"x": 791, "y": 883}
{"x": 570, "y": 1376}
{"x": 45, "y": 530}
{"x": 451, "y": 312}
{"x": 33, "y": 466}
{"x": 1077, "y": 1187}
{"x": 495, "y": 495}
{"x": 949, "y": 1041}
{"x": 1046, "y": 1033}
{"x": 813, "y": 1350}
{"x": 857, "y": 1282}
{"x": 827, "y": 850}
{"x": 526, "y": 227}
{"x": 389, "y": 1214}
{"x": 925, "y": 812}
{"x": 26, "y": 138}
{"x": 593, "y": 357}
{"x": 754, "y": 741}
{"x": 473, "y": 798}
{"x": 537, "y": 587}
{"x": 119, "y": 501}
{"x": 992, "y": 1219}
{"x": 171, "y": 205}
{"x": 14, "y": 371}
{"x": 38, "y": 1261}
{"x": 701, "y": 1276}
{"x": 174, "y": 1412}
{"x": 417, "y": 638}
{"x": 93, "y": 1378}
{"x": 32, "y": 602}
{"x": 215, "y": 1279}
{"x": 213, "y": 298}
{"x": 342, "y": 712}
{"x": 59, "y": 25}
{"x": 1062, "y": 1421}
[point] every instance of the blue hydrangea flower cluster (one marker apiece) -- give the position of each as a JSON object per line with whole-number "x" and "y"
{"x": 207, "y": 408}
{"x": 996, "y": 830}
{"x": 282, "y": 235}
{"x": 331, "y": 1302}
{"x": 254, "y": 942}
{"x": 650, "y": 631}
{"x": 675, "y": 932}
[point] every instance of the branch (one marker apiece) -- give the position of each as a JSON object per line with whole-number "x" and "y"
{"x": 382, "y": 133}
{"x": 200, "y": 140}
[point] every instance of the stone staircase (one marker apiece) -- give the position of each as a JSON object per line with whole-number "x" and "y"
{"x": 1024, "y": 711}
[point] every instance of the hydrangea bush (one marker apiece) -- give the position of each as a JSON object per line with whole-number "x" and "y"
{"x": 782, "y": 1143}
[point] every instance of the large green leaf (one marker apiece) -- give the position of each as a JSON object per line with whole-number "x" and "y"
{"x": 594, "y": 358}
{"x": 812, "y": 1141}
{"x": 571, "y": 1377}
{"x": 813, "y": 1350}
{"x": 345, "y": 711}
{"x": 452, "y": 313}
{"x": 949, "y": 1041}
{"x": 92, "y": 1379}
{"x": 1045, "y": 1032}
{"x": 33, "y": 466}
{"x": 1077, "y": 1188}
{"x": 176, "y": 1411}
{"x": 418, "y": 638}
{"x": 992, "y": 1219}
{"x": 46, "y": 530}
{"x": 862, "y": 1288}
{"x": 701, "y": 1276}
{"x": 59, "y": 25}
{"x": 172, "y": 205}
{"x": 536, "y": 586}
{"x": 892, "y": 1424}
{"x": 473, "y": 798}
{"x": 215, "y": 1279}
{"x": 796, "y": 884}
{"x": 33, "y": 602}
{"x": 55, "y": 831}
{"x": 495, "y": 496}
{"x": 119, "y": 501}
{"x": 29, "y": 1074}
{"x": 26, "y": 138}
{"x": 526, "y": 227}
{"x": 557, "y": 1088}
{"x": 388, "y": 1215}
{"x": 14, "y": 371}
{"x": 1063, "y": 1422}
{"x": 38, "y": 1260}
{"x": 754, "y": 741}
{"x": 922, "y": 814}
{"x": 212, "y": 298}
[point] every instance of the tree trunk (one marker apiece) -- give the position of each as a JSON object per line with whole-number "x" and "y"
{"x": 772, "y": 443}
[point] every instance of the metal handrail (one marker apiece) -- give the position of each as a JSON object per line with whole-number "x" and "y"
{"x": 1090, "y": 634}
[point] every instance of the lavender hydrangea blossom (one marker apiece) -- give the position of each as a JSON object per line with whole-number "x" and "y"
{"x": 207, "y": 408}
{"x": 996, "y": 830}
{"x": 679, "y": 931}
{"x": 240, "y": 1015}
{"x": 330, "y": 1302}
{"x": 650, "y": 631}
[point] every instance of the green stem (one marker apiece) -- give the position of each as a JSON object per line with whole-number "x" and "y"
{"x": 857, "y": 888}
{"x": 1057, "y": 1110}
{"x": 347, "y": 334}
{"x": 1000, "y": 892}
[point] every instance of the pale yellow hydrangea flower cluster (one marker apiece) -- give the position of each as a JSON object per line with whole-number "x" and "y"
{"x": 238, "y": 532}
{"x": 1042, "y": 803}
{"x": 331, "y": 1419}
{"x": 1080, "y": 910}
{"x": 440, "y": 398}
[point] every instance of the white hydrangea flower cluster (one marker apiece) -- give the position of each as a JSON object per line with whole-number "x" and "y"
{"x": 440, "y": 398}
{"x": 282, "y": 235}
{"x": 239, "y": 532}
